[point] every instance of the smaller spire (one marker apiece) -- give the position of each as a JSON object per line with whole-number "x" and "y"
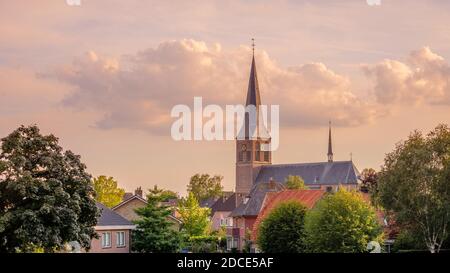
{"x": 330, "y": 146}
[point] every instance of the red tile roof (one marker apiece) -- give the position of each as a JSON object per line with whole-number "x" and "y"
{"x": 273, "y": 199}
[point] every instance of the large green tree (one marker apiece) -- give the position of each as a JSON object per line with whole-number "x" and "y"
{"x": 46, "y": 195}
{"x": 204, "y": 186}
{"x": 295, "y": 182}
{"x": 108, "y": 193}
{"x": 414, "y": 183}
{"x": 154, "y": 232}
{"x": 342, "y": 222}
{"x": 195, "y": 218}
{"x": 283, "y": 229}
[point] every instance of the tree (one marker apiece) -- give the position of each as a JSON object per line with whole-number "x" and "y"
{"x": 195, "y": 218}
{"x": 342, "y": 222}
{"x": 414, "y": 185}
{"x": 46, "y": 195}
{"x": 153, "y": 233}
{"x": 204, "y": 186}
{"x": 283, "y": 229}
{"x": 369, "y": 178}
{"x": 165, "y": 195}
{"x": 295, "y": 183}
{"x": 107, "y": 191}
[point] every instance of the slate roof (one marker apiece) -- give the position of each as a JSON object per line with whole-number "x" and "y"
{"x": 257, "y": 195}
{"x": 208, "y": 203}
{"x": 226, "y": 204}
{"x": 110, "y": 218}
{"x": 321, "y": 173}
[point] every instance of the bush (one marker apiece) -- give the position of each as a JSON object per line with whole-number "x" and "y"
{"x": 341, "y": 222}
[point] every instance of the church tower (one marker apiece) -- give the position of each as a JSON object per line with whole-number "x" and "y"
{"x": 250, "y": 155}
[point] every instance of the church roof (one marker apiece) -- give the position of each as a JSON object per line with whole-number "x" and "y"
{"x": 271, "y": 178}
{"x": 321, "y": 173}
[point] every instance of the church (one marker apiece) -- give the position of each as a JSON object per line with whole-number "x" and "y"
{"x": 256, "y": 175}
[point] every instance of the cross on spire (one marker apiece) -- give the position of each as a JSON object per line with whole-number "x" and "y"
{"x": 253, "y": 46}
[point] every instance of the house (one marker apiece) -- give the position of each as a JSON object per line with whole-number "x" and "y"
{"x": 256, "y": 175}
{"x": 308, "y": 198}
{"x": 131, "y": 202}
{"x": 221, "y": 210}
{"x": 245, "y": 215}
{"x": 113, "y": 232}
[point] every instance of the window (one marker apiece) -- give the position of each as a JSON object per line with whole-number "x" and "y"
{"x": 241, "y": 156}
{"x": 329, "y": 189}
{"x": 257, "y": 155}
{"x": 106, "y": 239}
{"x": 249, "y": 156}
{"x": 120, "y": 239}
{"x": 266, "y": 156}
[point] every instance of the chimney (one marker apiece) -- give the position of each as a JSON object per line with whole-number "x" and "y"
{"x": 138, "y": 192}
{"x": 272, "y": 184}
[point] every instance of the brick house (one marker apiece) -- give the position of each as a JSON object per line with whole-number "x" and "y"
{"x": 114, "y": 232}
{"x": 131, "y": 202}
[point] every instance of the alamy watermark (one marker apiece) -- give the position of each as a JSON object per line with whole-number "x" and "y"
{"x": 212, "y": 122}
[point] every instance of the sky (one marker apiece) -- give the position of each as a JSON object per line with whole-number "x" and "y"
{"x": 104, "y": 75}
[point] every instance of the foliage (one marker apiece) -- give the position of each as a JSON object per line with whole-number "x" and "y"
{"x": 406, "y": 240}
{"x": 414, "y": 184}
{"x": 295, "y": 183}
{"x": 46, "y": 195}
{"x": 204, "y": 243}
{"x": 369, "y": 179}
{"x": 154, "y": 232}
{"x": 164, "y": 195}
{"x": 107, "y": 191}
{"x": 342, "y": 222}
{"x": 203, "y": 186}
{"x": 195, "y": 218}
{"x": 283, "y": 229}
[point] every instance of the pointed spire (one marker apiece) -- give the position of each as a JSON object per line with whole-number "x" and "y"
{"x": 253, "y": 97}
{"x": 330, "y": 146}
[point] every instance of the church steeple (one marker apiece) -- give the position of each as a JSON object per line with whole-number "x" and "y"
{"x": 254, "y": 138}
{"x": 330, "y": 146}
{"x": 253, "y": 97}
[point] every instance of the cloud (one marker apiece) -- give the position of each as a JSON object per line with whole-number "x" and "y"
{"x": 424, "y": 78}
{"x": 137, "y": 91}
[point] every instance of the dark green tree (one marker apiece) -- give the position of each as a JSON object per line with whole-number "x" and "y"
{"x": 154, "y": 232}
{"x": 282, "y": 231}
{"x": 46, "y": 195}
{"x": 342, "y": 223}
{"x": 369, "y": 178}
{"x": 414, "y": 184}
{"x": 203, "y": 186}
